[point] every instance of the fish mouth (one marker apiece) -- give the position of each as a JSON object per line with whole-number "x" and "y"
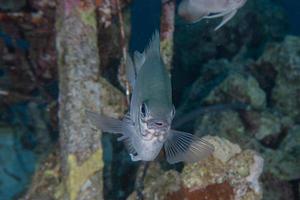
{"x": 155, "y": 134}
{"x": 154, "y": 129}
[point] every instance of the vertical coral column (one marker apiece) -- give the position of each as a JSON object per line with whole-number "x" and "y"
{"x": 79, "y": 89}
{"x": 167, "y": 31}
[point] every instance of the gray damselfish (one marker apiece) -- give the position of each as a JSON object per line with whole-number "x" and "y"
{"x": 146, "y": 128}
{"x": 195, "y": 10}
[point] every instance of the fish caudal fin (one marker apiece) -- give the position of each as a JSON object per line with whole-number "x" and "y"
{"x": 106, "y": 124}
{"x": 182, "y": 146}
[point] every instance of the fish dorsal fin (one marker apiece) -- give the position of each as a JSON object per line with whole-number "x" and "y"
{"x": 134, "y": 65}
{"x": 181, "y": 146}
{"x": 153, "y": 48}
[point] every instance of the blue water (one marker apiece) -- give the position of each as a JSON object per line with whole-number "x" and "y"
{"x": 292, "y": 8}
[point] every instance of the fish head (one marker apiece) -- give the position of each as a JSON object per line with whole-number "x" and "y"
{"x": 155, "y": 120}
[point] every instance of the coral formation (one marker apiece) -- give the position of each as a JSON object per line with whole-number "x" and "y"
{"x": 238, "y": 88}
{"x": 230, "y": 173}
{"x": 270, "y": 123}
{"x": 285, "y": 60}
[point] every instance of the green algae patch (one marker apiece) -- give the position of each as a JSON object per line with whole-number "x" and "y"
{"x": 88, "y": 17}
{"x": 166, "y": 47}
{"x": 78, "y": 175}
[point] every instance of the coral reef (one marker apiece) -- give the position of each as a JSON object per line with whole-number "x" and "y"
{"x": 284, "y": 162}
{"x": 230, "y": 173}
{"x": 270, "y": 124}
{"x": 285, "y": 61}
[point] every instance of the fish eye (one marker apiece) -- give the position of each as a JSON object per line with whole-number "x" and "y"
{"x": 143, "y": 110}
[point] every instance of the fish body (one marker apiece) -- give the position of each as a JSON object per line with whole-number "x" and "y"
{"x": 146, "y": 128}
{"x": 195, "y": 10}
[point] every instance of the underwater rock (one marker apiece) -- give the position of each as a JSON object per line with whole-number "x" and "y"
{"x": 237, "y": 87}
{"x": 276, "y": 189}
{"x": 224, "y": 82}
{"x": 284, "y": 58}
{"x": 46, "y": 183}
{"x": 230, "y": 173}
{"x": 267, "y": 125}
{"x": 111, "y": 98}
{"x": 157, "y": 183}
{"x": 226, "y": 124}
{"x": 284, "y": 162}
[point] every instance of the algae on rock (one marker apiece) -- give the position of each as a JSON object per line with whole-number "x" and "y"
{"x": 78, "y": 63}
{"x": 284, "y": 58}
{"x": 230, "y": 173}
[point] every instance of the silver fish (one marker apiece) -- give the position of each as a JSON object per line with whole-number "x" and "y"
{"x": 146, "y": 128}
{"x": 195, "y": 10}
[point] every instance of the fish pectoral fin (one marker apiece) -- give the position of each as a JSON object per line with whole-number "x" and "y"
{"x": 111, "y": 125}
{"x": 226, "y": 18}
{"x": 106, "y": 124}
{"x": 182, "y": 146}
